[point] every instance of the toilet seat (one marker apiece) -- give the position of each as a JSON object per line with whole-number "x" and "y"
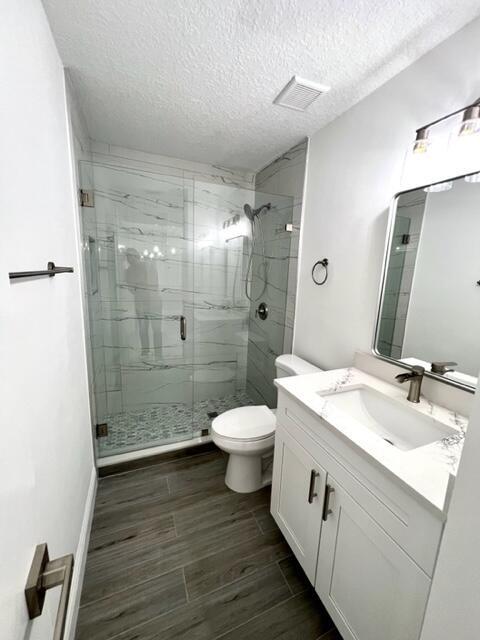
{"x": 245, "y": 424}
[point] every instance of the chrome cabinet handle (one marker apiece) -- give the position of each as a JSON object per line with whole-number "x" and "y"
{"x": 183, "y": 327}
{"x": 311, "y": 491}
{"x": 326, "y": 502}
{"x": 45, "y": 574}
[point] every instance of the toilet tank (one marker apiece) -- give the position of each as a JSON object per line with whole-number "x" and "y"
{"x": 290, "y": 365}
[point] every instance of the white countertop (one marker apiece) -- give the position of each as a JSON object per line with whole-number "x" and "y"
{"x": 427, "y": 470}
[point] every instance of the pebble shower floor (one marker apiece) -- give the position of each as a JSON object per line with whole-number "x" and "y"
{"x": 163, "y": 424}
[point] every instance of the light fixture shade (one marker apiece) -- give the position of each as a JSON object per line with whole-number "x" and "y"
{"x": 474, "y": 177}
{"x": 421, "y": 141}
{"x": 441, "y": 186}
{"x": 471, "y": 121}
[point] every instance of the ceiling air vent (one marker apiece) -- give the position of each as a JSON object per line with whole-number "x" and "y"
{"x": 298, "y": 94}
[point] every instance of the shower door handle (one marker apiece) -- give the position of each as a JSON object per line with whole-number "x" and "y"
{"x": 183, "y": 327}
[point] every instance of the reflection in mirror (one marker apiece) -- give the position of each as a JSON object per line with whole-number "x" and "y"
{"x": 430, "y": 307}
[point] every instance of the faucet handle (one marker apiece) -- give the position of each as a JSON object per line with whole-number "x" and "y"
{"x": 417, "y": 370}
{"x": 443, "y": 367}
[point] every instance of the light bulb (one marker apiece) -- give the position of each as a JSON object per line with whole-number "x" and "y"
{"x": 441, "y": 186}
{"x": 421, "y": 141}
{"x": 475, "y": 177}
{"x": 173, "y": 250}
{"x": 145, "y": 252}
{"x": 471, "y": 121}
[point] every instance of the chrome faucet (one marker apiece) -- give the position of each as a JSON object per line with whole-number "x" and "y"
{"x": 416, "y": 378}
{"x": 443, "y": 367}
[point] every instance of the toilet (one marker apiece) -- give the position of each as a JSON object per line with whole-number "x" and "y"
{"x": 247, "y": 434}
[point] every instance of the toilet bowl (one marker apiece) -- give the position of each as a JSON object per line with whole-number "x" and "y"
{"x": 247, "y": 434}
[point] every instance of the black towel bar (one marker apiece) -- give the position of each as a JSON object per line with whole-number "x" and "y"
{"x": 50, "y": 271}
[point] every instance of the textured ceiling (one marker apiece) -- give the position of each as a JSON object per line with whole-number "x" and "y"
{"x": 195, "y": 79}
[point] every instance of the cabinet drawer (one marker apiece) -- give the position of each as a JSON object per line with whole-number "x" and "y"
{"x": 405, "y": 518}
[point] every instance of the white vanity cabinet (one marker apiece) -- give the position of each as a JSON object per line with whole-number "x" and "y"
{"x": 298, "y": 486}
{"x": 376, "y": 591}
{"x": 367, "y": 546}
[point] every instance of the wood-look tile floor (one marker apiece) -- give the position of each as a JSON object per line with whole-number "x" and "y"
{"x": 174, "y": 554}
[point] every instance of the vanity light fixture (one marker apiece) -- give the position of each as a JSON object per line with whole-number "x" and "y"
{"x": 474, "y": 177}
{"x": 470, "y": 125}
{"x": 421, "y": 141}
{"x": 440, "y": 186}
{"x": 471, "y": 121}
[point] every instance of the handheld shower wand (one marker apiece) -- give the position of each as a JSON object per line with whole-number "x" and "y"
{"x": 253, "y": 216}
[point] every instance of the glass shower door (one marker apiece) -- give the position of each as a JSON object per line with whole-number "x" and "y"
{"x": 145, "y": 300}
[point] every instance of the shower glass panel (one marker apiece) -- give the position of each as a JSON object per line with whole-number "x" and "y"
{"x": 145, "y": 282}
{"x": 230, "y": 340}
{"x": 160, "y": 249}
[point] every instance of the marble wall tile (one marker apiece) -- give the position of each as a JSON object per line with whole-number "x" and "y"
{"x": 274, "y": 336}
{"x": 165, "y": 165}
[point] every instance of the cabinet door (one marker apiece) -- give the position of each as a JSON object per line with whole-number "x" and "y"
{"x": 298, "y": 488}
{"x": 370, "y": 587}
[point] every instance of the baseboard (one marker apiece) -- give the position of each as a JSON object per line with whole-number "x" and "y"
{"x": 80, "y": 559}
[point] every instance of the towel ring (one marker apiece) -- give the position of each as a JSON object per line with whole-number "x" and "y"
{"x": 320, "y": 263}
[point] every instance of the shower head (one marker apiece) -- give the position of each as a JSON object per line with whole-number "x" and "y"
{"x": 253, "y": 213}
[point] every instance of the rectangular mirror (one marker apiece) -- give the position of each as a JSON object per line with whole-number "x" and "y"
{"x": 430, "y": 301}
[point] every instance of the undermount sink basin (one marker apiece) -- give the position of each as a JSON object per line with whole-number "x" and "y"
{"x": 396, "y": 423}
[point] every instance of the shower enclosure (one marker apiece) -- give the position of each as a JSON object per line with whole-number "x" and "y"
{"x": 165, "y": 267}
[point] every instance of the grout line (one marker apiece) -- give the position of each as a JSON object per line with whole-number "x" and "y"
{"x": 261, "y": 613}
{"x": 257, "y": 523}
{"x": 96, "y": 537}
{"x": 185, "y": 584}
{"x": 239, "y": 579}
{"x": 324, "y": 635}
{"x": 132, "y": 586}
{"x": 204, "y": 596}
{"x": 152, "y": 501}
{"x": 169, "y": 570}
{"x": 175, "y": 525}
{"x": 144, "y": 622}
{"x": 97, "y": 548}
{"x": 284, "y": 577}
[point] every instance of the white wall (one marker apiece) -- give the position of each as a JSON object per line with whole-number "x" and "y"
{"x": 354, "y": 169}
{"x": 444, "y": 311}
{"x": 46, "y": 463}
{"x": 452, "y": 610}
